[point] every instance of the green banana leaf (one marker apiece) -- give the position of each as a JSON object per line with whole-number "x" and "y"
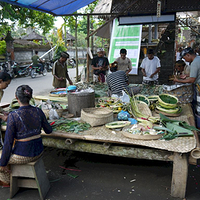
{"x": 165, "y": 119}
{"x": 178, "y": 128}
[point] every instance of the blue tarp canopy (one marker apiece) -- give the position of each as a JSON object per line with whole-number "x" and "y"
{"x": 54, "y": 7}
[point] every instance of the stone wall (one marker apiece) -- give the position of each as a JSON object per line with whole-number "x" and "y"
{"x": 25, "y": 55}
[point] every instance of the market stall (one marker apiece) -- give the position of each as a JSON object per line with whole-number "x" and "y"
{"x": 103, "y": 140}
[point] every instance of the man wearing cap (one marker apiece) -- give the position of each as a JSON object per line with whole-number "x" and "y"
{"x": 60, "y": 72}
{"x": 123, "y": 62}
{"x": 100, "y": 65}
{"x": 150, "y": 68}
{"x": 190, "y": 56}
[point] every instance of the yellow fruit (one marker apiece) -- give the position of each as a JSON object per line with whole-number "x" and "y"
{"x": 119, "y": 108}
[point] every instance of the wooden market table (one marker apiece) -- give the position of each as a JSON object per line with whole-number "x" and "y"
{"x": 101, "y": 140}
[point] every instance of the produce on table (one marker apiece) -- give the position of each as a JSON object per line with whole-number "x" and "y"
{"x": 167, "y": 101}
{"x": 113, "y": 103}
{"x": 174, "y": 128}
{"x": 118, "y": 124}
{"x": 140, "y": 97}
{"x": 138, "y": 129}
{"x": 178, "y": 109}
{"x": 136, "y": 112}
{"x": 145, "y": 123}
{"x": 168, "y": 104}
{"x": 153, "y": 98}
{"x": 69, "y": 125}
{"x": 144, "y": 108}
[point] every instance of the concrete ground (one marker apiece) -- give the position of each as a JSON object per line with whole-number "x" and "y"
{"x": 98, "y": 177}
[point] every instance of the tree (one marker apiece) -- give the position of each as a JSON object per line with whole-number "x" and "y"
{"x": 69, "y": 22}
{"x": 25, "y": 18}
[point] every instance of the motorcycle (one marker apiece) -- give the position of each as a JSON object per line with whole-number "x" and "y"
{"x": 24, "y": 71}
{"x": 71, "y": 62}
{"x": 36, "y": 71}
{"x": 49, "y": 65}
{"x": 5, "y": 67}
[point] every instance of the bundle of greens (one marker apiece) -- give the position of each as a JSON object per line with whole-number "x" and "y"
{"x": 69, "y": 125}
{"x": 174, "y": 128}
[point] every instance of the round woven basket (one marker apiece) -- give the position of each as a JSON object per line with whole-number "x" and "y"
{"x": 97, "y": 116}
{"x": 144, "y": 108}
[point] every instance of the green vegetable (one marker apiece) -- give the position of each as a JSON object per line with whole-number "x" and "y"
{"x": 140, "y": 97}
{"x": 167, "y": 101}
{"x": 70, "y": 126}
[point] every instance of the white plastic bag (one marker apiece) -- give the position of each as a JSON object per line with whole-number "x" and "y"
{"x": 124, "y": 98}
{"x": 53, "y": 114}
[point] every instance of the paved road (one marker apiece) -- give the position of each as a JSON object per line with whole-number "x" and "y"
{"x": 40, "y": 84}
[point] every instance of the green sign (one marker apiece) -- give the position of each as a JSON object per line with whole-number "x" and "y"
{"x": 127, "y": 37}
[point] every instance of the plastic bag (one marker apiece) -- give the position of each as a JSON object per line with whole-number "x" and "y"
{"x": 124, "y": 98}
{"x": 53, "y": 114}
{"x": 123, "y": 115}
{"x": 132, "y": 120}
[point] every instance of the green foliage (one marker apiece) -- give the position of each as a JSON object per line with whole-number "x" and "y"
{"x": 2, "y": 47}
{"x": 70, "y": 23}
{"x": 59, "y": 48}
{"x": 26, "y": 17}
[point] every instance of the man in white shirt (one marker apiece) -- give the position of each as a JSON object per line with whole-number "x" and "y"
{"x": 124, "y": 63}
{"x": 150, "y": 68}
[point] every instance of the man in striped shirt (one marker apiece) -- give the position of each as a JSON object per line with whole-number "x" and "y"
{"x": 117, "y": 81}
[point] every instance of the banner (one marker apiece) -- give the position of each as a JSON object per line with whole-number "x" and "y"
{"x": 126, "y": 37}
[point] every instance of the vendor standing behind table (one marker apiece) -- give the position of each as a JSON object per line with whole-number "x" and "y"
{"x": 23, "y": 142}
{"x": 181, "y": 69}
{"x": 123, "y": 62}
{"x": 150, "y": 68}
{"x": 189, "y": 55}
{"x": 117, "y": 81}
{"x": 100, "y": 66}
{"x": 60, "y": 72}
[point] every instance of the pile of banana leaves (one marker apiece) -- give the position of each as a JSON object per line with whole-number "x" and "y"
{"x": 174, "y": 128}
{"x": 69, "y": 125}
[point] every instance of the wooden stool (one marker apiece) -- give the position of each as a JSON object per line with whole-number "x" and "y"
{"x": 30, "y": 175}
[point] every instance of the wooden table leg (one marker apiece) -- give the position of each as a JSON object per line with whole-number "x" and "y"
{"x": 179, "y": 175}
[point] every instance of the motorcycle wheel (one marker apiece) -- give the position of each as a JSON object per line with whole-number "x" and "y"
{"x": 33, "y": 73}
{"x": 44, "y": 73}
{"x": 49, "y": 68}
{"x": 27, "y": 72}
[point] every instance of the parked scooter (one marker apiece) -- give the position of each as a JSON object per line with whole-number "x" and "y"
{"x": 24, "y": 71}
{"x": 9, "y": 69}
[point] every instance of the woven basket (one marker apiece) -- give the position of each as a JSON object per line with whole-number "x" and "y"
{"x": 46, "y": 112}
{"x": 97, "y": 116}
{"x": 144, "y": 108}
{"x": 184, "y": 94}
